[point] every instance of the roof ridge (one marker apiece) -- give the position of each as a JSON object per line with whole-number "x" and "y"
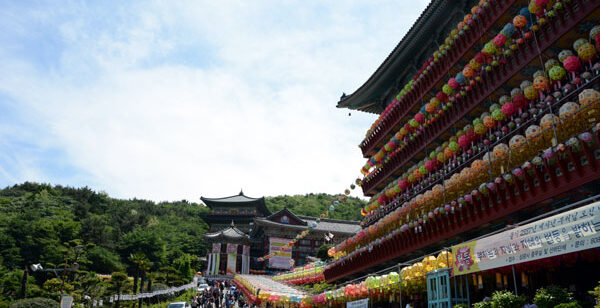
{"x": 332, "y": 220}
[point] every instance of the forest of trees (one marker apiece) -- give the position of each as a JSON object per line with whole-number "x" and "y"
{"x": 316, "y": 204}
{"x": 160, "y": 243}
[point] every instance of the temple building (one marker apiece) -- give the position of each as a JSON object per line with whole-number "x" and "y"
{"x": 488, "y": 122}
{"x": 242, "y": 229}
{"x": 239, "y": 208}
{"x": 284, "y": 225}
{"x": 230, "y": 252}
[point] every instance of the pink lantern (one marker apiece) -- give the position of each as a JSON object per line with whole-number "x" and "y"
{"x": 500, "y": 39}
{"x": 453, "y": 83}
{"x": 419, "y": 118}
{"x": 463, "y": 141}
{"x": 508, "y": 109}
{"x": 572, "y": 64}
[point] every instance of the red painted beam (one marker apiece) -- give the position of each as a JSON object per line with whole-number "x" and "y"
{"x": 491, "y": 81}
{"x": 438, "y": 71}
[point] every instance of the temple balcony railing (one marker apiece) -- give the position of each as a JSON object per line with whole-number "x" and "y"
{"x": 545, "y": 37}
{"x": 570, "y": 171}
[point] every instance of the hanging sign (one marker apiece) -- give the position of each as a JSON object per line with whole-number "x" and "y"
{"x": 231, "y": 258}
{"x": 571, "y": 231}
{"x": 362, "y": 303}
{"x": 282, "y": 257}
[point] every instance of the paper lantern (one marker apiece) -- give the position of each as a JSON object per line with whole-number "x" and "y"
{"x": 460, "y": 78}
{"x": 479, "y": 129}
{"x": 488, "y": 121}
{"x": 453, "y": 83}
{"x": 500, "y": 39}
{"x": 489, "y": 48}
{"x": 413, "y": 123}
{"x": 419, "y": 118}
{"x": 578, "y": 43}
{"x": 551, "y": 63}
{"x": 524, "y": 84}
{"x": 534, "y": 8}
{"x": 500, "y": 150}
{"x": 530, "y": 93}
{"x": 594, "y": 32}
{"x": 586, "y": 51}
{"x": 509, "y": 29}
{"x": 516, "y": 142}
{"x": 498, "y": 115}
{"x": 519, "y": 101}
{"x": 567, "y": 109}
{"x": 453, "y": 146}
{"x": 548, "y": 120}
{"x": 508, "y": 109}
{"x": 557, "y": 73}
{"x": 572, "y": 64}
{"x": 519, "y": 21}
{"x": 588, "y": 96}
{"x": 540, "y": 83}
{"x": 468, "y": 71}
{"x": 564, "y": 54}
{"x": 445, "y": 259}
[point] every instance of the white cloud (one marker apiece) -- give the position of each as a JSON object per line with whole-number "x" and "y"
{"x": 255, "y": 110}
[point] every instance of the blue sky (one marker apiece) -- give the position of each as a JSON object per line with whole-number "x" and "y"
{"x": 170, "y": 100}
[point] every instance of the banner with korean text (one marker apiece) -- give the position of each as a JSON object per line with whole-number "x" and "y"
{"x": 571, "y": 231}
{"x": 216, "y": 252}
{"x": 282, "y": 258}
{"x": 231, "y": 258}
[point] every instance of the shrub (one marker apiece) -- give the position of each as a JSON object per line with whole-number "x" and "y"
{"x": 551, "y": 296}
{"x": 507, "y": 299}
{"x": 461, "y": 306}
{"x": 36, "y": 302}
{"x": 483, "y": 304}
{"x": 568, "y": 305}
{"x": 596, "y": 294}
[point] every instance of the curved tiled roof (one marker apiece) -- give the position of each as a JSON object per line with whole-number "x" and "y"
{"x": 238, "y": 200}
{"x": 229, "y": 235}
{"x": 346, "y": 227}
{"x": 366, "y": 97}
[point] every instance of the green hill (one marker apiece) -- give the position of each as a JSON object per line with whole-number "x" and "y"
{"x": 40, "y": 223}
{"x": 316, "y": 204}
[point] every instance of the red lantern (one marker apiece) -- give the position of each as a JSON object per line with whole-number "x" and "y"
{"x": 500, "y": 39}
{"x": 453, "y": 83}
{"x": 463, "y": 141}
{"x": 508, "y": 109}
{"x": 572, "y": 64}
{"x": 419, "y": 118}
{"x": 519, "y": 101}
{"x": 441, "y": 96}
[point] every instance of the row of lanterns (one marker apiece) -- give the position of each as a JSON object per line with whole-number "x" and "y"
{"x": 411, "y": 280}
{"x": 508, "y": 107}
{"x": 310, "y": 273}
{"x": 489, "y": 57}
{"x": 266, "y": 289}
{"x": 473, "y": 181}
{"x": 462, "y": 28}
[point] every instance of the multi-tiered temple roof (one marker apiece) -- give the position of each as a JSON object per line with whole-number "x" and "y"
{"x": 239, "y": 208}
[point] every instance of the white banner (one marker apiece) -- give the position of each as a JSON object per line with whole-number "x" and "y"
{"x": 282, "y": 258}
{"x": 361, "y": 303}
{"x": 571, "y": 231}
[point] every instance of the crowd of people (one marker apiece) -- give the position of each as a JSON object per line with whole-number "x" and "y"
{"x": 220, "y": 295}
